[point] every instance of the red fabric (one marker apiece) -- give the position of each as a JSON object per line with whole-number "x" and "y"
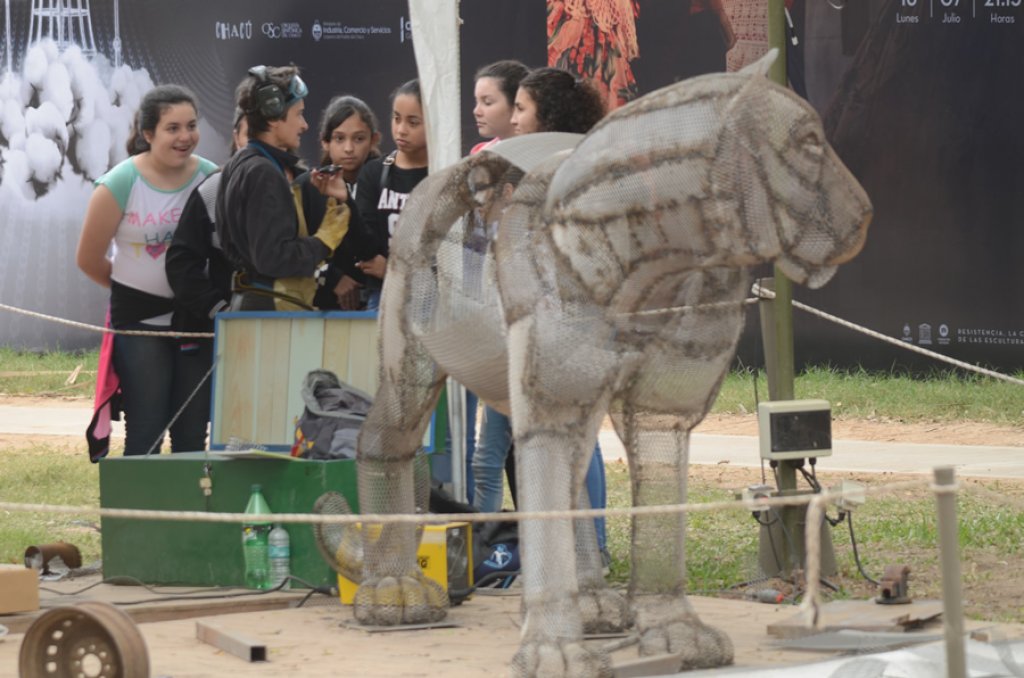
{"x": 106, "y": 405}
{"x": 483, "y": 144}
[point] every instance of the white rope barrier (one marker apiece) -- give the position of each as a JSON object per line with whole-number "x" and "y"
{"x": 766, "y": 293}
{"x": 426, "y": 519}
{"x": 758, "y": 290}
{"x": 811, "y": 605}
{"x": 101, "y": 329}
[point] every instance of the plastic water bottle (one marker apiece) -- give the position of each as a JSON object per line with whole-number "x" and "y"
{"x": 255, "y": 543}
{"x": 280, "y": 554}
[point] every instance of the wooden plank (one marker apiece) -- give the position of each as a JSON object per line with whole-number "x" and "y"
{"x": 337, "y": 338}
{"x": 860, "y": 615}
{"x": 160, "y": 611}
{"x": 350, "y": 351}
{"x": 231, "y": 641}
{"x": 305, "y": 353}
{"x": 271, "y": 394}
{"x": 237, "y": 368}
{"x": 363, "y": 356}
{"x": 263, "y": 361}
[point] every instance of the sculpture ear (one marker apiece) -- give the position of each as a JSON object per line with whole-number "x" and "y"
{"x": 736, "y": 177}
{"x": 743, "y": 115}
{"x": 762, "y": 65}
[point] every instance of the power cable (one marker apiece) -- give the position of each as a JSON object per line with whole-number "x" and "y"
{"x": 856, "y": 555}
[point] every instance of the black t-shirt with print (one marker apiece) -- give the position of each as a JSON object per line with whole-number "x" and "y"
{"x": 379, "y": 206}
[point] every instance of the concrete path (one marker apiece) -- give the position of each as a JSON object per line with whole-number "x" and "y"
{"x": 70, "y": 419}
{"x": 851, "y": 455}
{"x": 61, "y": 419}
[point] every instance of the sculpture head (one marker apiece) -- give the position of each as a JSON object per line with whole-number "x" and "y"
{"x": 790, "y": 196}
{"x": 729, "y": 169}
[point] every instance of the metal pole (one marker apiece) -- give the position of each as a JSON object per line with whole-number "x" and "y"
{"x": 949, "y": 558}
{"x": 778, "y": 330}
{"x": 457, "y": 432}
{"x": 783, "y": 386}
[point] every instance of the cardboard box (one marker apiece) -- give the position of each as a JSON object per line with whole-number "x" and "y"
{"x": 19, "y": 589}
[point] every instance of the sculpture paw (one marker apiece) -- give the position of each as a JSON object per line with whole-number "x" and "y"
{"x": 605, "y": 611}
{"x": 390, "y": 601}
{"x": 560, "y": 659}
{"x": 702, "y": 646}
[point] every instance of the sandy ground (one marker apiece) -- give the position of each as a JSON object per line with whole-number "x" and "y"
{"x": 319, "y": 640}
{"x": 316, "y": 641}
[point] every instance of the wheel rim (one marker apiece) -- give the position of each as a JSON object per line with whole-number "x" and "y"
{"x": 89, "y": 640}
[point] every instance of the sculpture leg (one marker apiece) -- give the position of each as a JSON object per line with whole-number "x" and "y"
{"x": 658, "y": 449}
{"x": 553, "y": 445}
{"x": 394, "y": 589}
{"x": 603, "y": 609}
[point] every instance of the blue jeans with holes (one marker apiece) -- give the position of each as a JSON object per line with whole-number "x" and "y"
{"x": 492, "y": 448}
{"x": 157, "y": 377}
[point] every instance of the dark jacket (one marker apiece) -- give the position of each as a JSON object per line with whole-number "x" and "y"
{"x": 357, "y": 245}
{"x": 256, "y": 218}
{"x": 196, "y": 268}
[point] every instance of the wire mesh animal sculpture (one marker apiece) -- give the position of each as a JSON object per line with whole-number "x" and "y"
{"x": 607, "y": 279}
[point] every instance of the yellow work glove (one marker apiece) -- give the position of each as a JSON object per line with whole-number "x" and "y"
{"x": 334, "y": 225}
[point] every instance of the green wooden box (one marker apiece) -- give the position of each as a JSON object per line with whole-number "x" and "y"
{"x": 210, "y": 554}
{"x": 262, "y": 359}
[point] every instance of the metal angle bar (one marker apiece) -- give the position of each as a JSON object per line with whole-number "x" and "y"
{"x": 234, "y": 643}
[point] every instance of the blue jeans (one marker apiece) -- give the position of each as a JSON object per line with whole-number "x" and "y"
{"x": 493, "y": 447}
{"x": 156, "y": 379}
{"x": 373, "y": 299}
{"x": 471, "y": 404}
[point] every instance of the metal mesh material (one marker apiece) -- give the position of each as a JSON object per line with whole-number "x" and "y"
{"x": 341, "y": 546}
{"x": 613, "y": 284}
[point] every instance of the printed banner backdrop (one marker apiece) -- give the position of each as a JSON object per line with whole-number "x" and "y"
{"x": 65, "y": 108}
{"x": 921, "y": 98}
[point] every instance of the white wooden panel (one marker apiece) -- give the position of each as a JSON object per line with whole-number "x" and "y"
{"x": 305, "y": 354}
{"x": 263, "y": 361}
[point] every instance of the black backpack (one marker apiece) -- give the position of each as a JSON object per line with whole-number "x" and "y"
{"x": 334, "y": 412}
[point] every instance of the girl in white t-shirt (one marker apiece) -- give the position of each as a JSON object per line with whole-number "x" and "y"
{"x": 133, "y": 213}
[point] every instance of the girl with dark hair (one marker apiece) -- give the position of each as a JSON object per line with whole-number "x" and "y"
{"x": 135, "y": 207}
{"x": 349, "y": 136}
{"x": 495, "y": 94}
{"x": 385, "y": 183}
{"x": 548, "y": 100}
{"x": 554, "y": 100}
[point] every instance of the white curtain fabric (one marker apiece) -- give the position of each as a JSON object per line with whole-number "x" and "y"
{"x": 435, "y": 31}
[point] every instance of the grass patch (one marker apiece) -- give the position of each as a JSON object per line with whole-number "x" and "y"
{"x": 31, "y": 373}
{"x": 890, "y": 529}
{"x": 722, "y": 549}
{"x": 888, "y": 396}
{"x": 48, "y": 475}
